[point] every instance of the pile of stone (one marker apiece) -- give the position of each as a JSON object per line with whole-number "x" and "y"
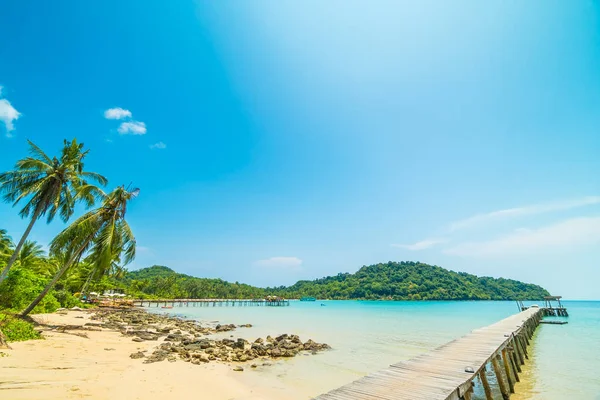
{"x": 144, "y": 326}
{"x": 203, "y": 350}
{"x": 187, "y": 339}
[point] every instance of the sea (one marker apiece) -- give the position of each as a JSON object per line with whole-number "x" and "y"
{"x": 366, "y": 336}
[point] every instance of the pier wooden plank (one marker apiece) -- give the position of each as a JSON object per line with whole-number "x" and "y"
{"x": 440, "y": 374}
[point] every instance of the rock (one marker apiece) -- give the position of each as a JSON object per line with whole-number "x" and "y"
{"x": 225, "y": 328}
{"x": 281, "y": 337}
{"x": 165, "y": 329}
{"x": 137, "y": 355}
{"x": 245, "y": 326}
{"x": 173, "y": 337}
{"x": 76, "y": 308}
{"x": 137, "y": 339}
{"x": 238, "y": 369}
{"x": 240, "y": 344}
{"x": 253, "y": 366}
{"x": 259, "y": 340}
{"x": 108, "y": 349}
{"x": 275, "y": 352}
{"x": 156, "y": 356}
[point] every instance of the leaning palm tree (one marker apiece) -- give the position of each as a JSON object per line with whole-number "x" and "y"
{"x": 102, "y": 234}
{"x": 49, "y": 186}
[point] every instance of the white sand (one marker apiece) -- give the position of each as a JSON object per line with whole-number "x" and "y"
{"x": 65, "y": 366}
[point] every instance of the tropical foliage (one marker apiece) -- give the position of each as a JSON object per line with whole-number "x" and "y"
{"x": 47, "y": 186}
{"x": 88, "y": 254}
{"x": 389, "y": 281}
{"x": 16, "y": 329}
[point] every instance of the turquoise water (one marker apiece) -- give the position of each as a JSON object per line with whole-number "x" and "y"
{"x": 370, "y": 335}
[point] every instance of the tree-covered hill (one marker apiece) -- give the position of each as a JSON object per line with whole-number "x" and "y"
{"x": 163, "y": 282}
{"x": 392, "y": 280}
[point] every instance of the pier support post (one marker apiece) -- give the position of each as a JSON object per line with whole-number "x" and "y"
{"x": 500, "y": 378}
{"x": 486, "y": 385}
{"x": 524, "y": 343}
{"x": 515, "y": 365}
{"x": 517, "y": 353}
{"x": 468, "y": 394}
{"x": 507, "y": 369}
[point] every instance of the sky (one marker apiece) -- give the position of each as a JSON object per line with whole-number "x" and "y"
{"x": 278, "y": 141}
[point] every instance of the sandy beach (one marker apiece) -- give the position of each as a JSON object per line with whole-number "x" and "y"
{"x": 68, "y": 366}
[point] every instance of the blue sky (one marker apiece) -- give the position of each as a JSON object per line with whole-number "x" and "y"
{"x": 277, "y": 141}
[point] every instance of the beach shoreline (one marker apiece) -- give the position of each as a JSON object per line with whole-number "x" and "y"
{"x": 68, "y": 365}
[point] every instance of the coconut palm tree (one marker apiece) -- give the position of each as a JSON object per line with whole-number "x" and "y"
{"x": 49, "y": 186}
{"x": 103, "y": 234}
{"x": 6, "y": 244}
{"x": 31, "y": 255}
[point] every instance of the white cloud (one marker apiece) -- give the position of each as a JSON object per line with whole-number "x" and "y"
{"x": 132, "y": 127}
{"x": 1, "y": 88}
{"x": 422, "y": 245}
{"x": 524, "y": 211}
{"x": 159, "y": 145}
{"x": 8, "y": 114}
{"x": 117, "y": 113}
{"x": 280, "y": 262}
{"x": 567, "y": 233}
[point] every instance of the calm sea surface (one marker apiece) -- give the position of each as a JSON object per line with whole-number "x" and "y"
{"x": 369, "y": 335}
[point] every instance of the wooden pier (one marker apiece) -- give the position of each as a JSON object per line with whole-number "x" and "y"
{"x": 452, "y": 371}
{"x": 211, "y": 302}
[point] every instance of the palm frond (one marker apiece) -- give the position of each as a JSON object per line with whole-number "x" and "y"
{"x": 37, "y": 152}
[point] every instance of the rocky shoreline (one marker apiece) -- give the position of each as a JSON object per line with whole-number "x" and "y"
{"x": 189, "y": 341}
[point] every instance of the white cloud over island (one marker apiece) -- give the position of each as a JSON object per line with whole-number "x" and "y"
{"x": 422, "y": 245}
{"x": 567, "y": 232}
{"x": 280, "y": 262}
{"x": 534, "y": 209}
{"x": 570, "y": 232}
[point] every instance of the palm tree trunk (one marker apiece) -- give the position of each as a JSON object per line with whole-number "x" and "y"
{"x": 87, "y": 282}
{"x": 58, "y": 275}
{"x": 15, "y": 254}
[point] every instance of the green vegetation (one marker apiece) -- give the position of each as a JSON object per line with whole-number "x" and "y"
{"x": 163, "y": 282}
{"x": 413, "y": 281}
{"x": 16, "y": 329}
{"x": 389, "y": 281}
{"x": 87, "y": 255}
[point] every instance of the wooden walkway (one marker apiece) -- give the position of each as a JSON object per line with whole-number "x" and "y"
{"x": 210, "y": 302}
{"x": 449, "y": 372}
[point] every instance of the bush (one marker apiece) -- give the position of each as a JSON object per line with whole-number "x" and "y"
{"x": 16, "y": 329}
{"x": 21, "y": 287}
{"x": 66, "y": 299}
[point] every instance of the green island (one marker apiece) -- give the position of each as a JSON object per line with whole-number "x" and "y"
{"x": 405, "y": 280}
